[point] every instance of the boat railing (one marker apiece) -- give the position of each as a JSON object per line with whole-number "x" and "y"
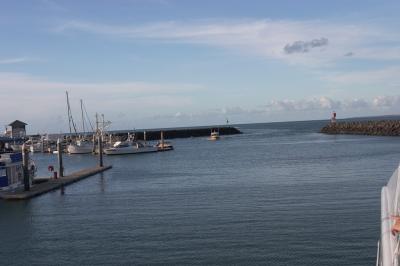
{"x": 389, "y": 243}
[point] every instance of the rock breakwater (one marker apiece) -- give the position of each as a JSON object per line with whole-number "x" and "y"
{"x": 373, "y": 128}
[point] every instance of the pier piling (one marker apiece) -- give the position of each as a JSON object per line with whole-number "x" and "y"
{"x": 60, "y": 161}
{"x": 100, "y": 139}
{"x": 25, "y": 166}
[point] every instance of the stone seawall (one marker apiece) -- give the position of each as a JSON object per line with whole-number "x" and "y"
{"x": 173, "y": 133}
{"x": 373, "y": 128}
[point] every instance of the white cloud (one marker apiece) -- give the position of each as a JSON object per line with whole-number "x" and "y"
{"x": 37, "y": 100}
{"x": 389, "y": 76}
{"x": 267, "y": 38}
{"x": 15, "y": 60}
{"x": 386, "y": 102}
{"x": 286, "y": 110}
{"x": 322, "y": 103}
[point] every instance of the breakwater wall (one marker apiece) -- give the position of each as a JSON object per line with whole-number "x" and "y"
{"x": 171, "y": 133}
{"x": 373, "y": 128}
{"x": 184, "y": 133}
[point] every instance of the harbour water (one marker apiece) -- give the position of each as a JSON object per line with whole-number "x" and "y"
{"x": 279, "y": 194}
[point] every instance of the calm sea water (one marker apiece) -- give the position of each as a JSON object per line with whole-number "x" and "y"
{"x": 279, "y": 194}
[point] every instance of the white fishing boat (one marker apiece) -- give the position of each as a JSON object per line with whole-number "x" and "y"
{"x": 80, "y": 147}
{"x": 214, "y": 135}
{"x": 128, "y": 147}
{"x": 389, "y": 242}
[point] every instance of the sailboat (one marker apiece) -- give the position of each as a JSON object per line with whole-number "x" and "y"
{"x": 81, "y": 145}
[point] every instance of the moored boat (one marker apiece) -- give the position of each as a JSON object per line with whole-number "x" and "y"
{"x": 128, "y": 147}
{"x": 164, "y": 145}
{"x": 11, "y": 171}
{"x": 80, "y": 147}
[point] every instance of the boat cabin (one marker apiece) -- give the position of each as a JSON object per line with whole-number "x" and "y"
{"x": 11, "y": 171}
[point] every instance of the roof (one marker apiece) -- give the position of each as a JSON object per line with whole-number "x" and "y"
{"x": 17, "y": 123}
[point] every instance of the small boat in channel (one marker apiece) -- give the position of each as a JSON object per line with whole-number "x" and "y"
{"x": 214, "y": 135}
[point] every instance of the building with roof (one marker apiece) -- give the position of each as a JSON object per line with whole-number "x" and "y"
{"x": 16, "y": 129}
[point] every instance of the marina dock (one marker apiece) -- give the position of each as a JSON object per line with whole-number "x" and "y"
{"x": 51, "y": 184}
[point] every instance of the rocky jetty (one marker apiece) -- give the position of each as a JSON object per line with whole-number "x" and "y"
{"x": 170, "y": 133}
{"x": 184, "y": 133}
{"x": 373, "y": 128}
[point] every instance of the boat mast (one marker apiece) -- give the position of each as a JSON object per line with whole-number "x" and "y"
{"x": 102, "y": 116}
{"x": 83, "y": 118}
{"x": 70, "y": 118}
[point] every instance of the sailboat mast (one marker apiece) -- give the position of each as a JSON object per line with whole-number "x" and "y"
{"x": 102, "y": 116}
{"x": 68, "y": 112}
{"x": 83, "y": 119}
{"x": 70, "y": 118}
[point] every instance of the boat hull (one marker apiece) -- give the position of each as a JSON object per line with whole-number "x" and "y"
{"x": 129, "y": 150}
{"x": 74, "y": 149}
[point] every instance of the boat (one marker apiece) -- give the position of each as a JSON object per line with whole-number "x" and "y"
{"x": 11, "y": 171}
{"x": 36, "y": 147}
{"x": 80, "y": 147}
{"x": 214, "y": 135}
{"x": 129, "y": 147}
{"x": 16, "y": 147}
{"x": 164, "y": 145}
{"x": 389, "y": 243}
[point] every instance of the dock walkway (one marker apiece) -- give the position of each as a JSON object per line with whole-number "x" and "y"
{"x": 51, "y": 184}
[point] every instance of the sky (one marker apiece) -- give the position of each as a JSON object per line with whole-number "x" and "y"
{"x": 169, "y": 63}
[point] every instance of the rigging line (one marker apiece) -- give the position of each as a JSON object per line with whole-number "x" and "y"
{"x": 83, "y": 119}
{"x": 68, "y": 112}
{"x": 87, "y": 116}
{"x": 70, "y": 117}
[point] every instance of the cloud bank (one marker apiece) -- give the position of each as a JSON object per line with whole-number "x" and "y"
{"x": 141, "y": 104}
{"x": 304, "y": 47}
{"x": 295, "y": 42}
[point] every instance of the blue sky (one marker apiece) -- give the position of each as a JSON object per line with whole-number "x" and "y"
{"x": 165, "y": 63}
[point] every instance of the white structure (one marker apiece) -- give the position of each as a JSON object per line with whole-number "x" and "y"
{"x": 333, "y": 118}
{"x": 388, "y": 245}
{"x": 214, "y": 135}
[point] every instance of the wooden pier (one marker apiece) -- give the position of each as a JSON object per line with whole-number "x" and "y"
{"x": 51, "y": 184}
